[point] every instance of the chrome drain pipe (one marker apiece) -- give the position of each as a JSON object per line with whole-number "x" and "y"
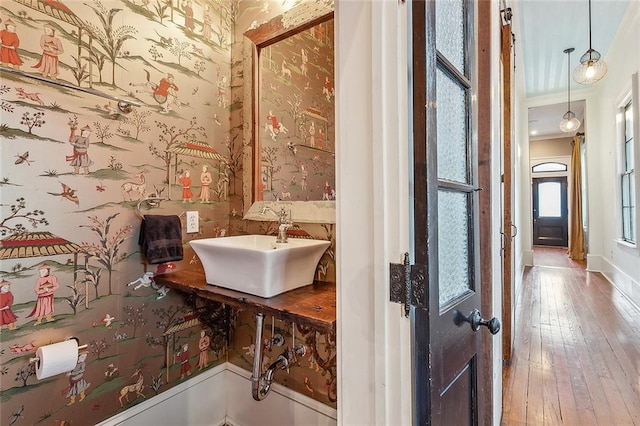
{"x": 256, "y": 375}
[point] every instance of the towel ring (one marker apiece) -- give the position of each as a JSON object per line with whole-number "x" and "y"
{"x": 151, "y": 202}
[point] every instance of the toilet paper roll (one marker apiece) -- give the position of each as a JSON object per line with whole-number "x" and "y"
{"x": 56, "y": 358}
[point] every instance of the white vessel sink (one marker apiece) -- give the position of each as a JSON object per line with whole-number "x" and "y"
{"x": 257, "y": 265}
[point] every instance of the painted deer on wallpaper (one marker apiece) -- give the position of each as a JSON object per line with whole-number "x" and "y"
{"x": 139, "y": 187}
{"x": 137, "y": 387}
{"x": 285, "y": 72}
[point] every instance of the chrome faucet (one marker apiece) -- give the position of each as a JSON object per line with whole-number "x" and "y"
{"x": 284, "y": 222}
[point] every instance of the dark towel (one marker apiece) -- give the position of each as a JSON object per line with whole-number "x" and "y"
{"x": 161, "y": 238}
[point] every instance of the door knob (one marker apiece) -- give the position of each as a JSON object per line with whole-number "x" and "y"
{"x": 475, "y": 320}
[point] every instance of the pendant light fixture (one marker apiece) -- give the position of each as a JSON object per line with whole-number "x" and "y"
{"x": 569, "y": 121}
{"x": 591, "y": 67}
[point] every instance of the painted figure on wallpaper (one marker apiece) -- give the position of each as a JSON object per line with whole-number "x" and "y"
{"x": 207, "y": 20}
{"x": 139, "y": 187}
{"x": 273, "y": 126}
{"x": 77, "y": 384}
{"x": 183, "y": 358}
{"x": 10, "y": 43}
{"x": 203, "y": 346}
{"x": 80, "y": 157}
{"x": 136, "y": 388}
{"x": 51, "y": 48}
{"x": 222, "y": 91}
{"x": 148, "y": 280}
{"x": 33, "y": 97}
{"x": 67, "y": 193}
{"x": 107, "y": 320}
{"x": 205, "y": 180}
{"x": 285, "y": 72}
{"x": 165, "y": 93}
{"x": 304, "y": 173}
{"x": 185, "y": 180}
{"x": 320, "y": 139}
{"x": 305, "y": 60}
{"x": 312, "y": 134}
{"x": 329, "y": 193}
{"x": 7, "y": 317}
{"x": 327, "y": 89}
{"x": 292, "y": 147}
{"x": 320, "y": 32}
{"x": 188, "y": 16}
{"x": 45, "y": 287}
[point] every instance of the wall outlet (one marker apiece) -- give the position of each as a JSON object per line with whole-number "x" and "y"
{"x": 193, "y": 222}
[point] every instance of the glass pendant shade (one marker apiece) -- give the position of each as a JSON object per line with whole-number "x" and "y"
{"x": 590, "y": 69}
{"x": 569, "y": 122}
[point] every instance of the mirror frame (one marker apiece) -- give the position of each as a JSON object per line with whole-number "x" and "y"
{"x": 291, "y": 22}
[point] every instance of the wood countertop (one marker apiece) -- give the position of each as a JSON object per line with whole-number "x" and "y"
{"x": 313, "y": 305}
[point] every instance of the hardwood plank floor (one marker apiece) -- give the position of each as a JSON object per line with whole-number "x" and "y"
{"x": 576, "y": 357}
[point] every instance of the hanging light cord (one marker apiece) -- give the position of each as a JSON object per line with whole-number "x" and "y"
{"x": 569, "y": 79}
{"x": 590, "y": 26}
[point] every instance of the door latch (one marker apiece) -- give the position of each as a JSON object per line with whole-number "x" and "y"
{"x": 407, "y": 284}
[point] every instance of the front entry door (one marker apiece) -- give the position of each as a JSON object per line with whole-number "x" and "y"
{"x": 447, "y": 335}
{"x": 550, "y": 213}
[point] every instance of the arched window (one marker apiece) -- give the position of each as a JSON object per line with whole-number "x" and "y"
{"x": 549, "y": 167}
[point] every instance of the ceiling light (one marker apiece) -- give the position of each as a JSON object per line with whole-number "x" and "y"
{"x": 569, "y": 121}
{"x": 591, "y": 68}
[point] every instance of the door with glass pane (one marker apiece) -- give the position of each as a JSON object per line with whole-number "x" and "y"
{"x": 447, "y": 334}
{"x": 550, "y": 213}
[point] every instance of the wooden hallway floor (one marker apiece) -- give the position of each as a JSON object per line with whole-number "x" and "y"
{"x": 576, "y": 357}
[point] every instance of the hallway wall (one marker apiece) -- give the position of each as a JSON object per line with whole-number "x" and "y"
{"x": 618, "y": 261}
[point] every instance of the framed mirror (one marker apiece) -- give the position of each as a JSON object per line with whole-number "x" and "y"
{"x": 289, "y": 116}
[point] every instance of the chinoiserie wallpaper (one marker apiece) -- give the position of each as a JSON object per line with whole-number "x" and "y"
{"x": 76, "y": 166}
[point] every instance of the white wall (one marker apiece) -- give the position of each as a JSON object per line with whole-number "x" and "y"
{"x": 372, "y": 211}
{"x": 496, "y": 213}
{"x": 222, "y": 396}
{"x": 619, "y": 262}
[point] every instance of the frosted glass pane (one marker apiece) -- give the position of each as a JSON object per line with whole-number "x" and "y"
{"x": 453, "y": 245}
{"x": 549, "y": 199}
{"x": 450, "y": 31}
{"x": 452, "y": 129}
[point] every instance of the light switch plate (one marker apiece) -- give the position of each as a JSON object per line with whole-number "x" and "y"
{"x": 193, "y": 222}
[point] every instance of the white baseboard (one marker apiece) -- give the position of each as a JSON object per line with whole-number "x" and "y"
{"x": 222, "y": 395}
{"x": 527, "y": 258}
{"x": 629, "y": 287}
{"x": 596, "y": 263}
{"x": 281, "y": 407}
{"x": 198, "y": 401}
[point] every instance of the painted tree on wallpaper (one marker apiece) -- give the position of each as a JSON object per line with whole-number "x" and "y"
{"x": 108, "y": 251}
{"x": 110, "y": 38}
{"x": 14, "y": 222}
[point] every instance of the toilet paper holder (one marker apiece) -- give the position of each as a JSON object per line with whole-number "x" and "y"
{"x": 35, "y": 359}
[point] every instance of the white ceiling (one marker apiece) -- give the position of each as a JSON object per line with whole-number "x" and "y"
{"x": 546, "y": 28}
{"x": 544, "y": 121}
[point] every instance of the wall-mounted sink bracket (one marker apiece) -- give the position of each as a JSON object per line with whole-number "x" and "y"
{"x": 220, "y": 318}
